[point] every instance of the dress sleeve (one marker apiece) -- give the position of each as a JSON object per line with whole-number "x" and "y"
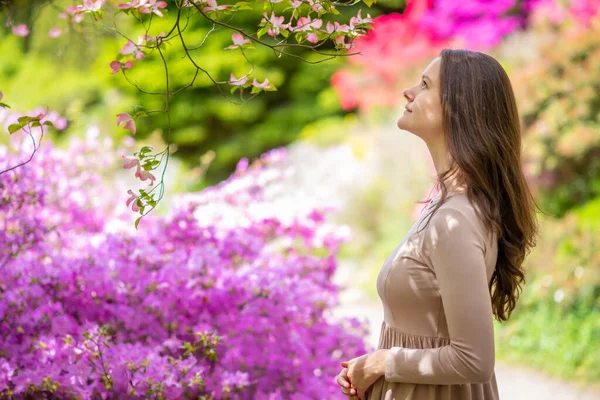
{"x": 455, "y": 250}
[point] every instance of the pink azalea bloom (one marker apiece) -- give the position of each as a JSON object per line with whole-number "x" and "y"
{"x": 133, "y": 199}
{"x": 295, "y": 3}
{"x": 20, "y": 30}
{"x": 237, "y": 82}
{"x": 264, "y": 85}
{"x": 55, "y": 32}
{"x": 238, "y": 40}
{"x": 1, "y": 95}
{"x": 128, "y": 120}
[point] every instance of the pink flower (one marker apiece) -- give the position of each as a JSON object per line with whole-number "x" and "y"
{"x": 20, "y": 30}
{"x": 92, "y": 5}
{"x": 212, "y": 6}
{"x": 133, "y": 199}
{"x": 117, "y": 65}
{"x": 145, "y": 175}
{"x": 312, "y": 37}
{"x": 129, "y": 122}
{"x": 276, "y": 24}
{"x": 238, "y": 41}
{"x": 131, "y": 162}
{"x": 264, "y": 85}
{"x": 1, "y": 95}
{"x": 359, "y": 20}
{"x": 54, "y": 32}
{"x": 237, "y": 82}
{"x": 132, "y": 48}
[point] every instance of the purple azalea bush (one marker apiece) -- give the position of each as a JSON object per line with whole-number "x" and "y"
{"x": 228, "y": 296}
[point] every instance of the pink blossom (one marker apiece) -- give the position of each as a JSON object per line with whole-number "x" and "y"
{"x": 312, "y": 37}
{"x": 133, "y": 199}
{"x": 238, "y": 41}
{"x": 359, "y": 20}
{"x": 276, "y": 24}
{"x": 264, "y": 85}
{"x": 117, "y": 65}
{"x": 132, "y": 48}
{"x": 20, "y": 30}
{"x": 1, "y": 95}
{"x": 145, "y": 175}
{"x": 74, "y": 13}
{"x": 237, "y": 82}
{"x": 212, "y": 6}
{"x": 91, "y": 5}
{"x": 128, "y": 120}
{"x": 131, "y": 162}
{"x": 55, "y": 32}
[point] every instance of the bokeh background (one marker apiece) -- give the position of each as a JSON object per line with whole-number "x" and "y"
{"x": 337, "y": 121}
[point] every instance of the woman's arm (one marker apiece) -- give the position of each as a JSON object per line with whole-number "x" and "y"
{"x": 455, "y": 249}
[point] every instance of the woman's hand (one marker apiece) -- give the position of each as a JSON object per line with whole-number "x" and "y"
{"x": 363, "y": 371}
{"x": 344, "y": 382}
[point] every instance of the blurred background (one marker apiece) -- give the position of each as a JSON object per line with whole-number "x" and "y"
{"x": 338, "y": 121}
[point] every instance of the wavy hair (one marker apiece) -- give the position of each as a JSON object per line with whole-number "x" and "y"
{"x": 483, "y": 137}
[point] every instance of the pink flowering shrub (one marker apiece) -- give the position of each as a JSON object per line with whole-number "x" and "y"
{"x": 225, "y": 297}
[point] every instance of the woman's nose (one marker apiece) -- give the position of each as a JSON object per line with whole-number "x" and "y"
{"x": 407, "y": 94}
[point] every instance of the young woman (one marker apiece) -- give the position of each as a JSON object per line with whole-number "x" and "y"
{"x": 460, "y": 265}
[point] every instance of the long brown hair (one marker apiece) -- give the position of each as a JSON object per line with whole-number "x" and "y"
{"x": 483, "y": 137}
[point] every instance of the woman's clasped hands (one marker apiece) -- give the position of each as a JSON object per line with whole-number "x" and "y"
{"x": 360, "y": 373}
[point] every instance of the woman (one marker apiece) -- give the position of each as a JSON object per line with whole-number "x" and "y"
{"x": 461, "y": 262}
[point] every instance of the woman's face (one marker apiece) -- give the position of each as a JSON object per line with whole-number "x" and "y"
{"x": 425, "y": 117}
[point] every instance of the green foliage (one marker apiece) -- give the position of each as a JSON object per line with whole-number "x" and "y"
{"x": 556, "y": 325}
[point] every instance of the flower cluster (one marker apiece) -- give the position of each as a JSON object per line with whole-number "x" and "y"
{"x": 228, "y": 296}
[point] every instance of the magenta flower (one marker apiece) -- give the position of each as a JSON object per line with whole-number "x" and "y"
{"x": 128, "y": 120}
{"x": 20, "y": 30}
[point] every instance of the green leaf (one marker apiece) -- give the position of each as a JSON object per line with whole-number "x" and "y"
{"x": 284, "y": 32}
{"x": 12, "y": 128}
{"x": 4, "y": 105}
{"x": 262, "y": 31}
{"x": 369, "y": 3}
{"x": 48, "y": 123}
{"x": 24, "y": 119}
{"x": 137, "y": 222}
{"x": 243, "y": 5}
{"x": 36, "y": 124}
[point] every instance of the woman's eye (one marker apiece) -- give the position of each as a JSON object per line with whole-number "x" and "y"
{"x": 424, "y": 83}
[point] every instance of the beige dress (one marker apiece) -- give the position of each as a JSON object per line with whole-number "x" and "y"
{"x": 437, "y": 309}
